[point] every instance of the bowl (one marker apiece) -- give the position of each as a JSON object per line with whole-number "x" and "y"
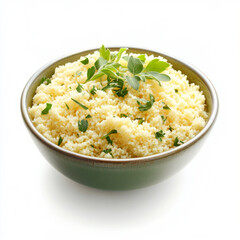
{"x": 120, "y": 174}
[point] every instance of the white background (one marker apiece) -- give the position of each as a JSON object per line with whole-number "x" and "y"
{"x": 200, "y": 202}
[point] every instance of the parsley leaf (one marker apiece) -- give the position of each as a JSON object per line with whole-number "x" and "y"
{"x": 90, "y": 72}
{"x": 92, "y": 146}
{"x": 135, "y": 65}
{"x": 47, "y": 80}
{"x": 148, "y": 105}
{"x": 176, "y": 91}
{"x": 142, "y": 57}
{"x": 79, "y": 88}
{"x": 93, "y": 90}
{"x": 46, "y": 110}
{"x": 159, "y": 135}
{"x": 123, "y": 115}
{"x": 81, "y": 105}
{"x": 82, "y": 125}
{"x": 105, "y": 53}
{"x": 85, "y": 61}
{"x": 121, "y": 51}
{"x": 100, "y": 62}
{"x": 156, "y": 65}
{"x": 60, "y": 140}
{"x": 170, "y": 128}
{"x": 133, "y": 81}
{"x": 157, "y": 76}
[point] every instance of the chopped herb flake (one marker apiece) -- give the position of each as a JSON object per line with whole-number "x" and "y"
{"x": 84, "y": 107}
{"x": 140, "y": 120}
{"x": 177, "y": 142}
{"x": 159, "y": 135}
{"x": 107, "y": 136}
{"x": 163, "y": 119}
{"x": 166, "y": 107}
{"x": 79, "y": 88}
{"x": 88, "y": 116}
{"x": 93, "y": 90}
{"x": 46, "y": 110}
{"x": 45, "y": 80}
{"x": 67, "y": 106}
{"x": 92, "y": 146}
{"x": 85, "y": 61}
{"x": 170, "y": 128}
{"x": 147, "y": 105}
{"x": 108, "y": 150}
{"x": 123, "y": 115}
{"x": 82, "y": 125}
{"x": 60, "y": 140}
{"x": 175, "y": 90}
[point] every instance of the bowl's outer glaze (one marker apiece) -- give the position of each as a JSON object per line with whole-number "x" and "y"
{"x": 120, "y": 174}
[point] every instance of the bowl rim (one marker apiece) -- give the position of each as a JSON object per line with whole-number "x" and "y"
{"x": 158, "y": 156}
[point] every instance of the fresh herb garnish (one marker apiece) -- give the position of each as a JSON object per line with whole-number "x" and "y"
{"x": 82, "y": 125}
{"x": 107, "y": 136}
{"x": 100, "y": 62}
{"x": 147, "y": 105}
{"x": 157, "y": 76}
{"x": 177, "y": 142}
{"x": 142, "y": 57}
{"x": 163, "y": 119}
{"x": 140, "y": 120}
{"x": 79, "y": 88}
{"x": 60, "y": 140}
{"x": 133, "y": 81}
{"x": 81, "y": 105}
{"x": 46, "y": 110}
{"x": 67, "y": 106}
{"x": 135, "y": 65}
{"x": 92, "y": 146}
{"x": 156, "y": 66}
{"x": 170, "y": 128}
{"x": 105, "y": 53}
{"x": 108, "y": 150}
{"x": 121, "y": 51}
{"x": 88, "y": 116}
{"x": 159, "y": 135}
{"x": 175, "y": 90}
{"x": 90, "y": 72}
{"x": 46, "y": 80}
{"x": 166, "y": 107}
{"x": 123, "y": 115}
{"x": 85, "y": 61}
{"x": 93, "y": 90}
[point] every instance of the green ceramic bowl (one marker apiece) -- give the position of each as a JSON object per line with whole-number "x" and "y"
{"x": 119, "y": 174}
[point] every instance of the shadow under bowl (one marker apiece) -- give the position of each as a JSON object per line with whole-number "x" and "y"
{"x": 120, "y": 174}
